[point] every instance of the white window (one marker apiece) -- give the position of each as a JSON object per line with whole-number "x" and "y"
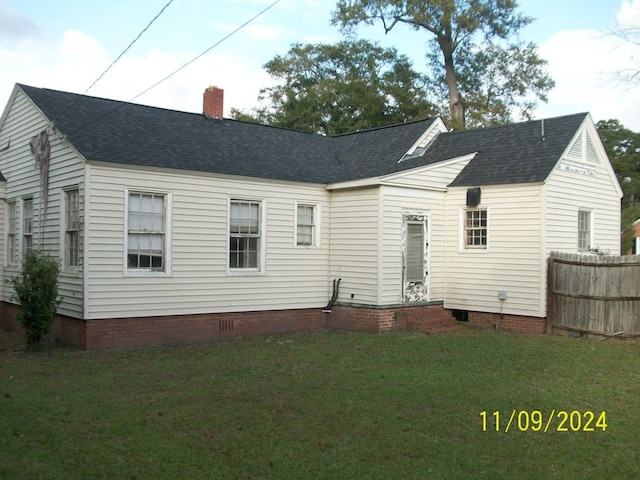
{"x": 72, "y": 228}
{"x": 245, "y": 235}
{"x": 27, "y": 225}
{"x": 146, "y": 232}
{"x": 475, "y": 231}
{"x": 11, "y": 234}
{"x": 305, "y": 225}
{"x": 584, "y": 230}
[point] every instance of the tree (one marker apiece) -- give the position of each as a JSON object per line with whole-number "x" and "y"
{"x": 36, "y": 289}
{"x": 469, "y": 38}
{"x": 498, "y": 83}
{"x": 623, "y": 148}
{"x": 334, "y": 89}
{"x": 630, "y": 36}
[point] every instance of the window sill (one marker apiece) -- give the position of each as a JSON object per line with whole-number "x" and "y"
{"x": 245, "y": 272}
{"x": 145, "y": 273}
{"x": 474, "y": 250}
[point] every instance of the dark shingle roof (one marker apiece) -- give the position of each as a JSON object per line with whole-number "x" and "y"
{"x": 121, "y": 132}
{"x": 127, "y": 133}
{"x": 376, "y": 152}
{"x": 513, "y": 153}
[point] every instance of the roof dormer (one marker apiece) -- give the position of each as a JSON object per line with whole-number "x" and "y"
{"x": 426, "y": 139}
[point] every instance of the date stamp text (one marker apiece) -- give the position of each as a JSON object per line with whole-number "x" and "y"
{"x": 539, "y": 421}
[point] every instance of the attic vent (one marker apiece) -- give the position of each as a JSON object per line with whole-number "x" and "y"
{"x": 583, "y": 149}
{"x": 473, "y": 197}
{"x": 576, "y": 149}
{"x": 591, "y": 151}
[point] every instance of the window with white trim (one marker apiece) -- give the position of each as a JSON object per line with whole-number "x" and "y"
{"x": 475, "y": 230}
{"x": 305, "y": 225}
{"x": 12, "y": 256}
{"x": 27, "y": 225}
{"x": 245, "y": 234}
{"x": 72, "y": 228}
{"x": 146, "y": 232}
{"x": 584, "y": 230}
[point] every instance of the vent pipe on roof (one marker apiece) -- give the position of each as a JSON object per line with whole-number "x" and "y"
{"x": 542, "y": 128}
{"x": 213, "y": 102}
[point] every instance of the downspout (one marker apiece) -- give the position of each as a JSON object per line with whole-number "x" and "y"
{"x": 334, "y": 296}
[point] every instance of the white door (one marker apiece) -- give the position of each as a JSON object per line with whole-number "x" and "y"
{"x": 415, "y": 246}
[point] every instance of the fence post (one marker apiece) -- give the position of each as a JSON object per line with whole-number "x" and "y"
{"x": 550, "y": 285}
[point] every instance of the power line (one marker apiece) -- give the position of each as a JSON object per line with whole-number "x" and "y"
{"x": 129, "y": 46}
{"x": 207, "y": 50}
{"x": 116, "y": 60}
{"x": 183, "y": 66}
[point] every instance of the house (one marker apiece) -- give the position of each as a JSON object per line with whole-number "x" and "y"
{"x": 176, "y": 227}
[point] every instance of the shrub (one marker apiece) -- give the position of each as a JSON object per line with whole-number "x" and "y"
{"x": 36, "y": 289}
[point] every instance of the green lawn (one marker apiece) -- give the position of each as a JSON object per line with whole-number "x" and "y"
{"x": 324, "y": 405}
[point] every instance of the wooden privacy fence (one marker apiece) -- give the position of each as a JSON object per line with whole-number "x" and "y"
{"x": 598, "y": 294}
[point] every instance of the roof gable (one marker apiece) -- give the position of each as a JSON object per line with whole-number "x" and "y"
{"x": 517, "y": 153}
{"x": 586, "y": 153}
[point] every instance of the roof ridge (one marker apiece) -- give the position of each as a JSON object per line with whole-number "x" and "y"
{"x": 295, "y": 130}
{"x": 516, "y": 124}
{"x": 94, "y": 97}
{"x": 384, "y": 127}
{"x": 135, "y": 104}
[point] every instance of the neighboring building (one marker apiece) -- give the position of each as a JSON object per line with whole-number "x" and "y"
{"x": 175, "y": 227}
{"x": 635, "y": 247}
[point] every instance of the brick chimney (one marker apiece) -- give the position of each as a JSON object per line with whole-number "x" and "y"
{"x": 213, "y": 102}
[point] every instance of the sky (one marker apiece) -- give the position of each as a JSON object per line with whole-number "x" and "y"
{"x": 67, "y": 44}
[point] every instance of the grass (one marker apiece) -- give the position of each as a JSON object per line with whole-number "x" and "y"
{"x": 319, "y": 406}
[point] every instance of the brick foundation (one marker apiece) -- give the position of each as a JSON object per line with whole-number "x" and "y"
{"x": 171, "y": 329}
{"x": 425, "y": 318}
{"x": 175, "y": 329}
{"x": 508, "y": 323}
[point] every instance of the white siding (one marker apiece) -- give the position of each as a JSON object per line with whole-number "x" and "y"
{"x": 512, "y": 261}
{"x": 582, "y": 184}
{"x": 437, "y": 176}
{"x": 395, "y": 202}
{"x": 355, "y": 250}
{"x": 3, "y": 231}
{"x": 22, "y": 122}
{"x": 526, "y": 223}
{"x": 293, "y": 277}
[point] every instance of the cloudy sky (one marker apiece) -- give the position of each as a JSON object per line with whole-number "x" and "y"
{"x": 67, "y": 44}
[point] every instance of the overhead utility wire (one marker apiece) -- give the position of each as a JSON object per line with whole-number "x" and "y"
{"x": 208, "y": 49}
{"x": 182, "y": 67}
{"x": 116, "y": 60}
{"x": 130, "y": 45}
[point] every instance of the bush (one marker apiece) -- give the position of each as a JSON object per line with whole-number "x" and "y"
{"x": 36, "y": 289}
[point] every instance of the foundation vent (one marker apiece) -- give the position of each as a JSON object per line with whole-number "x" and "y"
{"x": 225, "y": 325}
